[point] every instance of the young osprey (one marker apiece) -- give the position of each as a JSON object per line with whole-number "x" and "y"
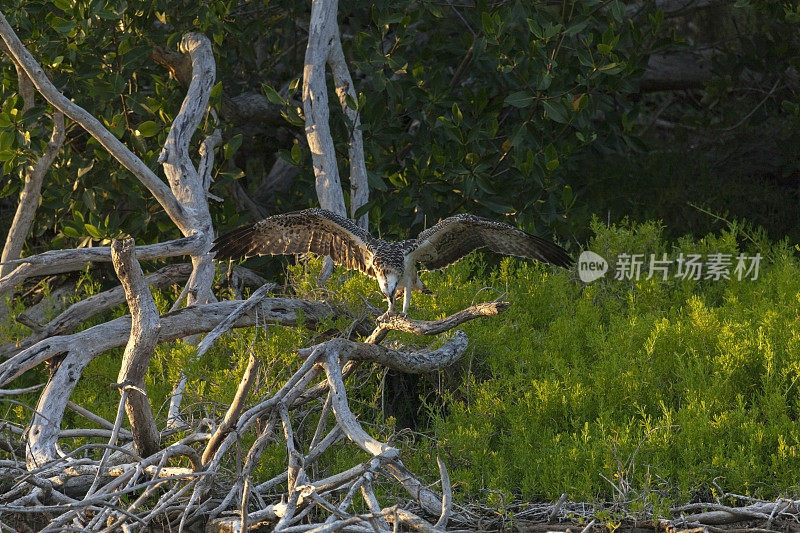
{"x": 393, "y": 264}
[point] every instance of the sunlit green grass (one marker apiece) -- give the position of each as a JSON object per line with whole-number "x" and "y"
{"x": 648, "y": 391}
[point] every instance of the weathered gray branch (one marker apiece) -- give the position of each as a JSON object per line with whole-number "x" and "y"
{"x": 385, "y": 323}
{"x": 359, "y": 186}
{"x": 186, "y": 183}
{"x": 145, "y": 325}
{"x": 81, "y": 348}
{"x": 231, "y": 319}
{"x": 29, "y": 197}
{"x": 58, "y": 261}
{"x": 329, "y": 360}
{"x": 89, "y": 307}
{"x": 322, "y": 33}
{"x": 235, "y": 409}
{"x": 409, "y": 362}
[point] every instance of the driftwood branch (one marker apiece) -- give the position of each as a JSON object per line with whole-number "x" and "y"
{"x": 81, "y": 348}
{"x": 31, "y": 191}
{"x": 181, "y": 323}
{"x": 187, "y": 183}
{"x": 145, "y": 326}
{"x": 324, "y": 46}
{"x": 409, "y": 362}
{"x": 322, "y": 27}
{"x": 359, "y": 186}
{"x": 58, "y": 261}
{"x": 91, "y": 306}
{"x": 235, "y": 409}
{"x": 387, "y": 323}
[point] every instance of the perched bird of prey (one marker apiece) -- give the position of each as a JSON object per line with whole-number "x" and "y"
{"x": 393, "y": 264}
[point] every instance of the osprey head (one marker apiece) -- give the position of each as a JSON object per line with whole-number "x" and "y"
{"x": 388, "y": 279}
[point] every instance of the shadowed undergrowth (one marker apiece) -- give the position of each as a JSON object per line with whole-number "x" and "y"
{"x": 645, "y": 392}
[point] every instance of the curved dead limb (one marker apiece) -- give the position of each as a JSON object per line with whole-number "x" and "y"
{"x": 359, "y": 186}
{"x": 235, "y": 409}
{"x": 430, "y": 502}
{"x": 145, "y": 325}
{"x": 409, "y": 362}
{"x": 329, "y": 360}
{"x": 447, "y": 495}
{"x": 181, "y": 323}
{"x": 29, "y": 197}
{"x": 433, "y": 327}
{"x": 80, "y": 348}
{"x": 58, "y": 261}
{"x": 93, "y": 305}
{"x": 399, "y": 516}
{"x": 227, "y": 324}
{"x": 187, "y": 184}
{"x": 322, "y": 29}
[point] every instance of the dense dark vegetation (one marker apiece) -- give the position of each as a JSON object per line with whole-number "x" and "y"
{"x": 550, "y": 116}
{"x": 540, "y": 114}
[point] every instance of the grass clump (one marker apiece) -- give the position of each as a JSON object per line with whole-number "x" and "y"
{"x": 652, "y": 392}
{"x": 633, "y": 390}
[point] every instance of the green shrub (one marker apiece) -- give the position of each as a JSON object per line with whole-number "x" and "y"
{"x": 658, "y": 391}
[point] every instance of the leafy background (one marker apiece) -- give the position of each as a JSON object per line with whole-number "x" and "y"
{"x": 650, "y": 392}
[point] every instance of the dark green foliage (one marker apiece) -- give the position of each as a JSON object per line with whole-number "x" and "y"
{"x": 670, "y": 389}
{"x": 462, "y": 106}
{"x": 459, "y": 105}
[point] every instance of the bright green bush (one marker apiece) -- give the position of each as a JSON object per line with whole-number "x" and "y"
{"x": 637, "y": 386}
{"x": 662, "y": 390}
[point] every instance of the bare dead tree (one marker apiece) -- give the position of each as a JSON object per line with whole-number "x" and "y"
{"x": 325, "y": 46}
{"x": 138, "y": 479}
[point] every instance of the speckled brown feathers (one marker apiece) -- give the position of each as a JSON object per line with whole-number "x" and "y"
{"x": 454, "y": 237}
{"x": 313, "y": 230}
{"x": 325, "y": 233}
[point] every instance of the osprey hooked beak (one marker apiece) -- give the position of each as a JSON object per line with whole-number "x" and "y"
{"x": 389, "y": 283}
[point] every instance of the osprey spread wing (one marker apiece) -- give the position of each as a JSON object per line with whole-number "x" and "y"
{"x": 393, "y": 264}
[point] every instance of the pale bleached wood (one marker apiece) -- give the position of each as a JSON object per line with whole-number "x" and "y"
{"x": 321, "y": 30}
{"x": 81, "y": 348}
{"x": 91, "y": 306}
{"x": 31, "y": 192}
{"x": 325, "y": 47}
{"x": 145, "y": 325}
{"x": 409, "y": 362}
{"x": 226, "y": 324}
{"x": 70, "y": 260}
{"x": 427, "y": 499}
{"x": 186, "y": 182}
{"x": 359, "y": 186}
{"x": 88, "y": 415}
{"x": 234, "y": 410}
{"x": 447, "y": 495}
{"x": 329, "y": 359}
{"x": 386, "y": 322}
{"x": 410, "y": 520}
